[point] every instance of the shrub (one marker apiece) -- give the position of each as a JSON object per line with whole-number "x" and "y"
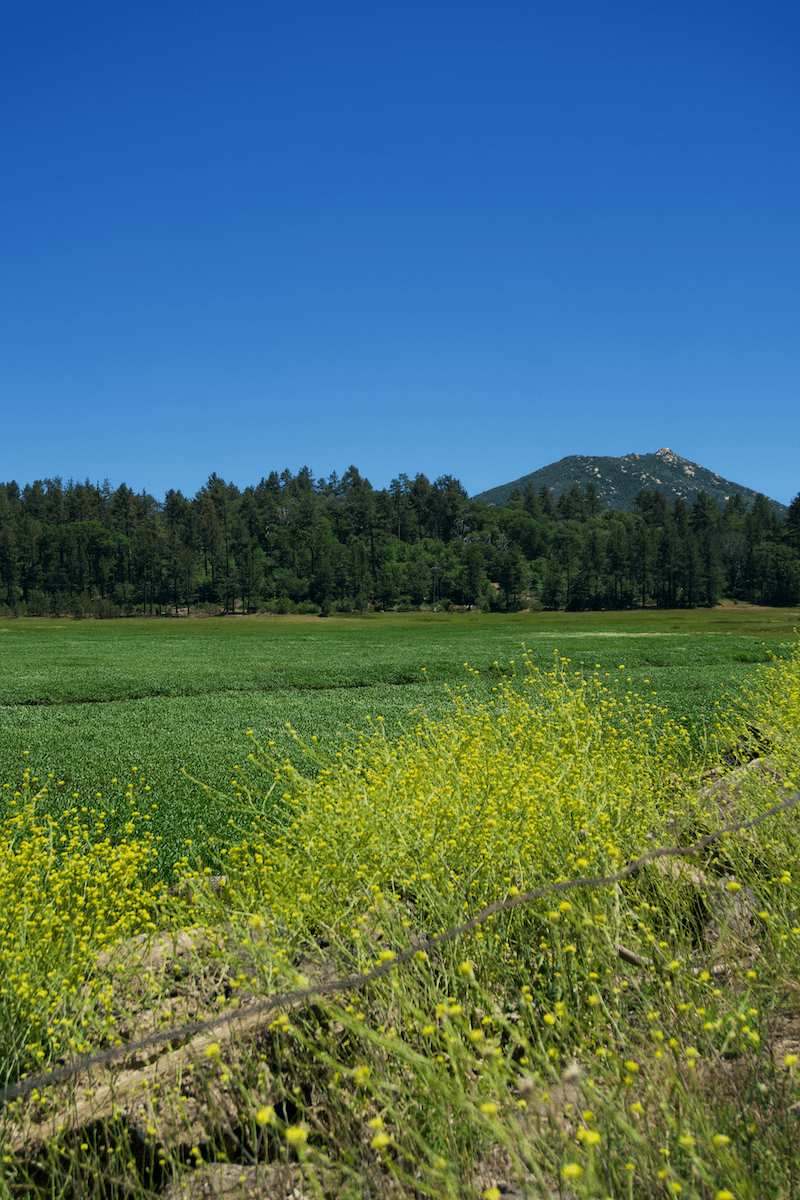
{"x": 556, "y": 767}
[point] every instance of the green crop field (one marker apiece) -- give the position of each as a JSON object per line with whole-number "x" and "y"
{"x": 88, "y": 700}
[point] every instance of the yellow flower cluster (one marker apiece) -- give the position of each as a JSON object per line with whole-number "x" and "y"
{"x": 66, "y": 892}
{"x": 552, "y": 775}
{"x": 767, "y": 708}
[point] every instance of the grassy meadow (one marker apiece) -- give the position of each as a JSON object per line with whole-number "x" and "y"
{"x": 371, "y": 786}
{"x": 89, "y": 700}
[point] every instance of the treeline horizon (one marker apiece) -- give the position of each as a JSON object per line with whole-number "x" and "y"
{"x": 336, "y": 544}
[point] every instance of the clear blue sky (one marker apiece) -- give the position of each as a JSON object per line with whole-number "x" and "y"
{"x": 462, "y": 238}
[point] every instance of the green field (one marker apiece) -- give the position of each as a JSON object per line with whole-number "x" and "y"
{"x": 89, "y": 700}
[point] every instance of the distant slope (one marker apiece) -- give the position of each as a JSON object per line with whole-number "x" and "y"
{"x": 617, "y": 480}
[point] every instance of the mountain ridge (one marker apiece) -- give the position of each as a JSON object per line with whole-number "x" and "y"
{"x": 617, "y": 480}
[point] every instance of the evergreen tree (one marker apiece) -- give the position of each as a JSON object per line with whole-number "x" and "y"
{"x": 791, "y": 528}
{"x": 513, "y": 575}
{"x": 553, "y": 589}
{"x": 9, "y": 550}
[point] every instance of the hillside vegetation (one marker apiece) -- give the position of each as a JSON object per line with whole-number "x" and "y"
{"x": 617, "y": 481}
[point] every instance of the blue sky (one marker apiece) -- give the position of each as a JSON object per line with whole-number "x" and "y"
{"x": 457, "y": 238}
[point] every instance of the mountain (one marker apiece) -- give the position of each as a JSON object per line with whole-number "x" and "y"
{"x": 617, "y": 480}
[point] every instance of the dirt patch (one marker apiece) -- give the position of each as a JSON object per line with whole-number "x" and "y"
{"x": 562, "y": 634}
{"x": 743, "y": 606}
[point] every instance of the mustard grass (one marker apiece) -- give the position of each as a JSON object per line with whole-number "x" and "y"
{"x": 558, "y": 773}
{"x": 636, "y": 1039}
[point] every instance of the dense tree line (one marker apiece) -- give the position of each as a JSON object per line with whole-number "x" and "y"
{"x": 339, "y": 544}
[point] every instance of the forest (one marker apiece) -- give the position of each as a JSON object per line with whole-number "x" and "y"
{"x": 293, "y": 543}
